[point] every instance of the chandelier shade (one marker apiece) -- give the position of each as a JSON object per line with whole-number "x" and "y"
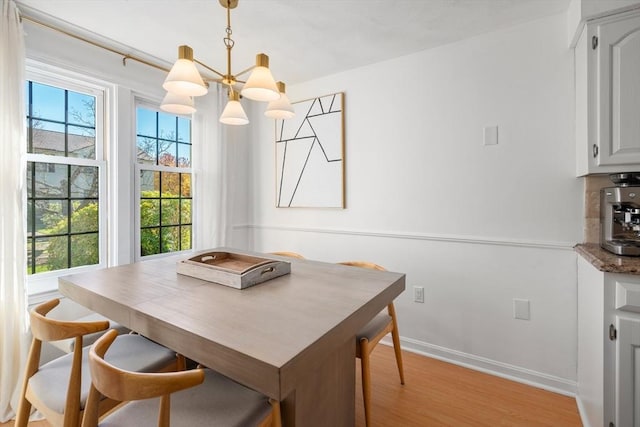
{"x": 184, "y": 81}
{"x": 281, "y": 108}
{"x": 177, "y": 104}
{"x": 261, "y": 86}
{"x": 233, "y": 113}
{"x": 184, "y": 78}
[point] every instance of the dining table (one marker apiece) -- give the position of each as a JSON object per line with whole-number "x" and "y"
{"x": 291, "y": 338}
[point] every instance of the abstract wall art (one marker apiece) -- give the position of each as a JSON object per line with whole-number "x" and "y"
{"x": 310, "y": 155}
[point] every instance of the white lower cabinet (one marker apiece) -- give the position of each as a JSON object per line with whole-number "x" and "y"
{"x": 608, "y": 347}
{"x": 628, "y": 371}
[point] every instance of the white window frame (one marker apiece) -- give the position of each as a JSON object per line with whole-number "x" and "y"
{"x": 47, "y": 282}
{"x": 140, "y": 102}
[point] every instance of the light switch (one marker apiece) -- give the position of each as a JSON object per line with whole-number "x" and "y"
{"x": 521, "y": 309}
{"x": 490, "y": 135}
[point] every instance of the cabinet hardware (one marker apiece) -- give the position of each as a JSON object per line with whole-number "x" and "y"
{"x": 594, "y": 42}
{"x": 595, "y": 151}
{"x": 613, "y": 334}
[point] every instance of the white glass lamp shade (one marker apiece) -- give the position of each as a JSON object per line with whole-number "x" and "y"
{"x": 233, "y": 113}
{"x": 281, "y": 108}
{"x": 261, "y": 86}
{"x": 184, "y": 78}
{"x": 177, "y": 104}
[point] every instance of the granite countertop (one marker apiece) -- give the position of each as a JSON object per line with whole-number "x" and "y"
{"x": 608, "y": 262}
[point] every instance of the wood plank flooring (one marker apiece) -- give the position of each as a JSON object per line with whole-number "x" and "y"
{"x": 441, "y": 394}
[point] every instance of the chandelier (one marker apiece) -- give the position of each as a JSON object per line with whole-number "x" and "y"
{"x": 184, "y": 82}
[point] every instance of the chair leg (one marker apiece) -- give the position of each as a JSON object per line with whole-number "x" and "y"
{"x": 366, "y": 379}
{"x": 398, "y": 351}
{"x": 276, "y": 415}
{"x": 396, "y": 341}
{"x": 24, "y": 406}
{"x": 24, "y": 409}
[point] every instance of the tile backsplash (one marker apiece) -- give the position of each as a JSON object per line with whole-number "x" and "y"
{"x": 592, "y": 186}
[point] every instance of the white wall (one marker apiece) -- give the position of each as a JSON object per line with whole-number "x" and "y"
{"x": 475, "y": 225}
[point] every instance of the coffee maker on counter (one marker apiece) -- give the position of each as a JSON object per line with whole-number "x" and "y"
{"x": 620, "y": 215}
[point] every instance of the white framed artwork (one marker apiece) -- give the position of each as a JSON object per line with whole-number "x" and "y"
{"x": 310, "y": 154}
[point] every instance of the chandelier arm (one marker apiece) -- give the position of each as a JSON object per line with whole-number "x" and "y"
{"x": 209, "y": 68}
{"x": 246, "y": 71}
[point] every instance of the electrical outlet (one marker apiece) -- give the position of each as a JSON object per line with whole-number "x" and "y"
{"x": 418, "y": 294}
{"x": 521, "y": 309}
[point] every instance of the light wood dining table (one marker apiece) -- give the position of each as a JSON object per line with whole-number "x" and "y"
{"x": 291, "y": 338}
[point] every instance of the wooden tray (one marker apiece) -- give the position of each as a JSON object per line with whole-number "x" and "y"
{"x": 231, "y": 269}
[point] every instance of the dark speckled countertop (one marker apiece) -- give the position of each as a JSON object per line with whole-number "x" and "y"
{"x": 608, "y": 262}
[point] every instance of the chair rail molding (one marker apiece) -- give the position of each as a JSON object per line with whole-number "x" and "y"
{"x": 407, "y": 235}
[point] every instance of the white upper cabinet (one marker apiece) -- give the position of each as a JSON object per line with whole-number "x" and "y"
{"x": 608, "y": 95}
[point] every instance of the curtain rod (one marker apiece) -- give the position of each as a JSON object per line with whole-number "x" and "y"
{"x": 125, "y": 56}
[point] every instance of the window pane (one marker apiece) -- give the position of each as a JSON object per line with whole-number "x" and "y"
{"x": 51, "y": 180}
{"x": 150, "y": 181}
{"x": 170, "y": 239}
{"x": 59, "y": 127}
{"x": 170, "y": 184}
{"x": 52, "y": 253}
{"x": 48, "y": 138}
{"x": 147, "y": 150}
{"x": 184, "y": 129}
{"x": 167, "y": 154}
{"x": 185, "y": 211}
{"x": 167, "y": 126}
{"x": 150, "y": 241}
{"x": 29, "y": 180}
{"x": 81, "y": 142}
{"x": 149, "y": 212}
{"x": 51, "y": 217}
{"x": 82, "y": 109}
{"x": 84, "y": 181}
{"x": 184, "y": 155}
{"x": 185, "y": 237}
{"x": 160, "y": 147}
{"x": 85, "y": 250}
{"x": 84, "y": 217}
{"x": 48, "y": 102}
{"x": 146, "y": 122}
{"x": 185, "y": 186}
{"x": 170, "y": 212}
{"x": 29, "y": 255}
{"x": 30, "y": 224}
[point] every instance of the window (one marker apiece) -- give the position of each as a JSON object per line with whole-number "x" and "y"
{"x": 164, "y": 164}
{"x": 64, "y": 177}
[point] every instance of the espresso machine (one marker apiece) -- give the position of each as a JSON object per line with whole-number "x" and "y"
{"x": 620, "y": 215}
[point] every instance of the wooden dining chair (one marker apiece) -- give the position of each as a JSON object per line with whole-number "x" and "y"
{"x": 288, "y": 254}
{"x": 67, "y": 345}
{"x": 59, "y": 388}
{"x": 369, "y": 336}
{"x": 197, "y": 397}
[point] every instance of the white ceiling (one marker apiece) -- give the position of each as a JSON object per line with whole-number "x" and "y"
{"x": 305, "y": 39}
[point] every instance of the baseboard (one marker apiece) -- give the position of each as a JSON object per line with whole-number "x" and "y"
{"x": 503, "y": 370}
{"x": 582, "y": 412}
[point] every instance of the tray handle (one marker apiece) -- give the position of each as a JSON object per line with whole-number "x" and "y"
{"x": 268, "y": 270}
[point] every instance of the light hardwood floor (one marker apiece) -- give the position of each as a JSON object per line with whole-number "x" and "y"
{"x": 441, "y": 394}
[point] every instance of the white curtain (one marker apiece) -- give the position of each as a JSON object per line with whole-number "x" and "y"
{"x": 212, "y": 161}
{"x": 13, "y": 299}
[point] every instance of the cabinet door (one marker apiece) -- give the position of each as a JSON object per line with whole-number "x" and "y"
{"x": 628, "y": 372}
{"x": 618, "y": 91}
